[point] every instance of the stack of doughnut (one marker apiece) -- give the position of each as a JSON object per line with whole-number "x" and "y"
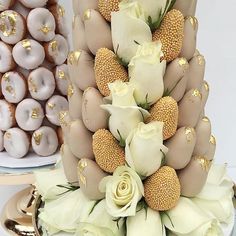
{"x": 33, "y": 76}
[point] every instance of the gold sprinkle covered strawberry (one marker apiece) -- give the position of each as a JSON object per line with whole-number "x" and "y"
{"x": 162, "y": 189}
{"x": 107, "y": 7}
{"x": 107, "y": 70}
{"x": 165, "y": 110}
{"x": 108, "y": 153}
{"x": 171, "y": 34}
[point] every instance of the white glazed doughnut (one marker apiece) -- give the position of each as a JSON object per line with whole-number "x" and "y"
{"x": 41, "y": 84}
{"x": 14, "y": 87}
{"x": 34, "y": 3}
{"x": 62, "y": 78}
{"x": 44, "y": 141}
{"x": 7, "y": 115}
{"x": 16, "y": 142}
{"x": 1, "y": 141}
{"x": 6, "y": 4}
{"x": 13, "y": 27}
{"x": 59, "y": 14}
{"x": 57, "y": 50}
{"x": 29, "y": 114}
{"x": 41, "y": 24}
{"x": 20, "y": 8}
{"x": 54, "y": 106}
{"x": 6, "y": 59}
{"x": 28, "y": 54}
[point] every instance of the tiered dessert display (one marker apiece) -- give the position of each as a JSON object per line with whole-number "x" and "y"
{"x": 33, "y": 53}
{"x": 139, "y": 150}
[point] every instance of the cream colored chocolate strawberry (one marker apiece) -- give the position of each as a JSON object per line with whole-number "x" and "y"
{"x": 162, "y": 189}
{"x": 165, "y": 110}
{"x": 107, "y": 70}
{"x": 108, "y": 153}
{"x": 107, "y": 7}
{"x": 171, "y": 34}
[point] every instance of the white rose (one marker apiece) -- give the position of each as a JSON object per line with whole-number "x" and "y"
{"x": 128, "y": 30}
{"x": 145, "y": 222}
{"x": 146, "y": 73}
{"x": 64, "y": 213}
{"x": 216, "y": 196}
{"x": 100, "y": 223}
{"x": 144, "y": 149}
{"x": 187, "y": 219}
{"x": 123, "y": 192}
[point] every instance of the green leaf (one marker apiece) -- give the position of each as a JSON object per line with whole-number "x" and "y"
{"x": 120, "y": 60}
{"x": 171, "y": 4}
{"x": 165, "y": 213}
{"x": 167, "y": 92}
{"x": 69, "y": 188}
{"x": 96, "y": 203}
{"x": 146, "y": 105}
{"x": 163, "y": 161}
{"x": 122, "y": 140}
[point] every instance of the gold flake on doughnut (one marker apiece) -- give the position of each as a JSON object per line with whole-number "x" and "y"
{"x": 62, "y": 120}
{"x": 83, "y": 179}
{"x": 51, "y": 105}
{"x": 45, "y": 29}
{"x": 54, "y": 45}
{"x": 10, "y": 90}
{"x": 37, "y": 138}
{"x": 61, "y": 75}
{"x": 6, "y": 77}
{"x": 61, "y": 11}
{"x": 82, "y": 165}
{"x": 8, "y": 135}
{"x": 197, "y": 93}
{"x": 26, "y": 44}
{"x": 35, "y": 113}
{"x": 70, "y": 91}
{"x": 32, "y": 86}
{"x": 87, "y": 14}
{"x": 205, "y": 164}
{"x": 206, "y": 85}
{"x": 73, "y": 57}
{"x": 12, "y": 21}
{"x": 212, "y": 140}
{"x": 189, "y": 132}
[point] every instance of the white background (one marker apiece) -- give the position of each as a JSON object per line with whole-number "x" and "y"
{"x": 217, "y": 42}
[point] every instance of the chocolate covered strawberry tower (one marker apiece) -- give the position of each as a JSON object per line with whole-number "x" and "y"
{"x": 33, "y": 53}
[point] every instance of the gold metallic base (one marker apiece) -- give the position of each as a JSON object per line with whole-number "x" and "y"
{"x": 17, "y": 214}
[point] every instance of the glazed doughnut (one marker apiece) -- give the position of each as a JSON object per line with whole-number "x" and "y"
{"x": 16, "y": 142}
{"x": 28, "y": 54}
{"x": 57, "y": 50}
{"x": 41, "y": 24}
{"x": 62, "y": 78}
{"x": 1, "y": 141}
{"x": 54, "y": 106}
{"x": 14, "y": 88}
{"x": 44, "y": 141}
{"x": 59, "y": 14}
{"x": 7, "y": 115}
{"x": 6, "y": 59}
{"x": 13, "y": 27}
{"x": 29, "y": 114}
{"x": 41, "y": 84}
{"x": 34, "y": 3}
{"x": 6, "y": 4}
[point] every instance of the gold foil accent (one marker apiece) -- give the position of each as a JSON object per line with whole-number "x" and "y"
{"x": 206, "y": 119}
{"x": 61, "y": 74}
{"x": 35, "y": 113}
{"x": 201, "y": 60}
{"x": 197, "y": 93}
{"x": 32, "y": 86}
{"x": 26, "y": 44}
{"x": 189, "y": 132}
{"x": 73, "y": 57}
{"x": 6, "y": 76}
{"x": 45, "y": 29}
{"x": 51, "y": 105}
{"x": 62, "y": 120}
{"x": 11, "y": 18}
{"x": 10, "y": 90}
{"x": 205, "y": 164}
{"x": 212, "y": 140}
{"x": 8, "y": 135}
{"x": 87, "y": 14}
{"x": 70, "y": 91}
{"x": 83, "y": 179}
{"x": 82, "y": 165}
{"x": 54, "y": 45}
{"x": 206, "y": 85}
{"x": 61, "y": 11}
{"x": 193, "y": 20}
{"x": 37, "y": 138}
{"x": 183, "y": 62}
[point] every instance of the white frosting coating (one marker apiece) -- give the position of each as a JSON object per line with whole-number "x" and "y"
{"x": 1, "y": 141}
{"x": 62, "y": 78}
{"x": 6, "y": 58}
{"x": 7, "y": 116}
{"x": 29, "y": 114}
{"x": 5, "y": 4}
{"x": 41, "y": 84}
{"x": 54, "y": 106}
{"x": 57, "y": 50}
{"x": 41, "y": 24}
{"x": 13, "y": 87}
{"x": 33, "y": 3}
{"x": 44, "y": 141}
{"x": 16, "y": 142}
{"x": 13, "y": 27}
{"x": 28, "y": 54}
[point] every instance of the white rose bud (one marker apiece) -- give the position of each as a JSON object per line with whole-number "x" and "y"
{"x": 128, "y": 30}
{"x": 123, "y": 192}
{"x": 144, "y": 149}
{"x": 146, "y": 71}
